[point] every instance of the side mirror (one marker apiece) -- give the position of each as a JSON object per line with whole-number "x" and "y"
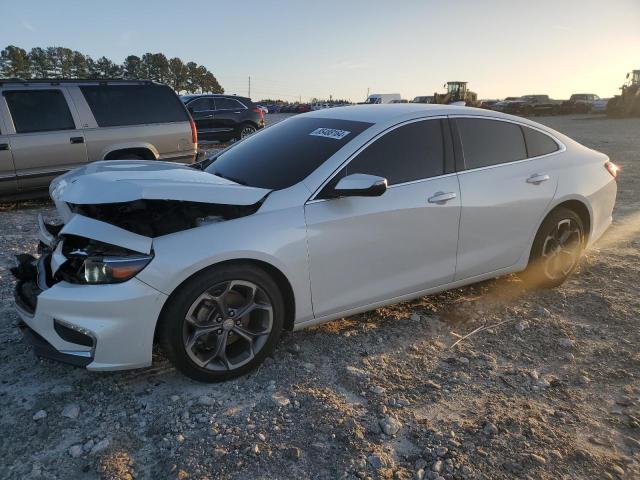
{"x": 360, "y": 185}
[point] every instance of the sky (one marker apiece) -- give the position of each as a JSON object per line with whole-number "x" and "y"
{"x": 299, "y": 49}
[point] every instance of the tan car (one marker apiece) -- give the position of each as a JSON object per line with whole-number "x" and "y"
{"x": 50, "y": 127}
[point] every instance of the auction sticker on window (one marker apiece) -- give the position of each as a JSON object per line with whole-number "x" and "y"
{"x": 330, "y": 133}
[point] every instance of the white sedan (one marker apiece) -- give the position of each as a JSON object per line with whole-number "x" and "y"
{"x": 318, "y": 217}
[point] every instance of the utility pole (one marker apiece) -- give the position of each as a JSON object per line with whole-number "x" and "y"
{"x": 367, "y": 92}
{"x": 249, "y": 86}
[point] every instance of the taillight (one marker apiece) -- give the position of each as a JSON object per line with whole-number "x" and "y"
{"x": 259, "y": 110}
{"x": 194, "y": 132}
{"x": 613, "y": 169}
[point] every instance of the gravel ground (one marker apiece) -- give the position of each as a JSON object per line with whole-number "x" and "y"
{"x": 552, "y": 392}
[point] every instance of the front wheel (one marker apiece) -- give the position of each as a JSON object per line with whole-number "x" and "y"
{"x": 556, "y": 249}
{"x": 222, "y": 323}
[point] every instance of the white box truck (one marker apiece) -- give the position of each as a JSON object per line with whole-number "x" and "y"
{"x": 376, "y": 98}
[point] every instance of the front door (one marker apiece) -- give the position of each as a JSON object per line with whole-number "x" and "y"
{"x": 46, "y": 141}
{"x": 364, "y": 250}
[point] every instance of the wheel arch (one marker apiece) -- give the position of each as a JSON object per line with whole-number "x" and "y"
{"x": 250, "y": 122}
{"x": 275, "y": 273}
{"x": 145, "y": 150}
{"x": 577, "y": 205}
{"x": 142, "y": 152}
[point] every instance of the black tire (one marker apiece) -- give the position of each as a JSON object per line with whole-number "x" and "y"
{"x": 245, "y": 129}
{"x": 173, "y": 327}
{"x": 549, "y": 264}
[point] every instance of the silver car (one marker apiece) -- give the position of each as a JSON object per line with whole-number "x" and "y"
{"x": 318, "y": 217}
{"x": 49, "y": 127}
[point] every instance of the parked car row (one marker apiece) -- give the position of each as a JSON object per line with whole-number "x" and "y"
{"x": 543, "y": 105}
{"x": 301, "y": 107}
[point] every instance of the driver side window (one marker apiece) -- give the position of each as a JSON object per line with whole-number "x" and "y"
{"x": 405, "y": 154}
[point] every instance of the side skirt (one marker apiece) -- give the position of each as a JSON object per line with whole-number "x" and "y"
{"x": 403, "y": 298}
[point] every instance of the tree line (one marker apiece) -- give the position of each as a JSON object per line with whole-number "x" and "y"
{"x": 61, "y": 62}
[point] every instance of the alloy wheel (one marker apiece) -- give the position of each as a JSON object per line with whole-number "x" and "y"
{"x": 246, "y": 131}
{"x": 561, "y": 249}
{"x": 227, "y": 325}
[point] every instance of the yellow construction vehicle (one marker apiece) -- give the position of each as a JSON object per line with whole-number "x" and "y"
{"x": 457, "y": 92}
{"x": 628, "y": 102}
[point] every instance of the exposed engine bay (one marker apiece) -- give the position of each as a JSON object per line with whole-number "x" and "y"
{"x": 154, "y": 218}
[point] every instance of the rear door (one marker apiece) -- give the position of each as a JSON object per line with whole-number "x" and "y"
{"x": 505, "y": 189}
{"x": 202, "y": 110}
{"x": 364, "y": 250}
{"x": 229, "y": 113}
{"x": 8, "y": 183}
{"x": 46, "y": 140}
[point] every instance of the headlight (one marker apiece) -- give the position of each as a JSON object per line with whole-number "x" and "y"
{"x": 113, "y": 269}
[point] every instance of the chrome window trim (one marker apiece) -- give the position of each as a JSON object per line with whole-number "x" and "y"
{"x": 561, "y": 146}
{"x": 242, "y": 105}
{"x": 313, "y": 199}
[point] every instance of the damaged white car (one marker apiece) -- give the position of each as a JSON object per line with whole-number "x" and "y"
{"x": 321, "y": 216}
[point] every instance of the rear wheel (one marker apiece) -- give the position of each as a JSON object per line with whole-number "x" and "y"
{"x": 245, "y": 130}
{"x": 556, "y": 249}
{"x": 222, "y": 323}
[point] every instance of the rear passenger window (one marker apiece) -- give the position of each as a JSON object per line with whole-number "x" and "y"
{"x": 39, "y": 110}
{"x": 490, "y": 142}
{"x": 538, "y": 143}
{"x": 411, "y": 152}
{"x": 201, "y": 105}
{"x": 115, "y": 105}
{"x": 228, "y": 104}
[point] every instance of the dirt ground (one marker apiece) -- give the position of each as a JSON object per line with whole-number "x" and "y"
{"x": 552, "y": 392}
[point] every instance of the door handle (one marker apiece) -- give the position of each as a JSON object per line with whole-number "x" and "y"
{"x": 76, "y": 139}
{"x": 441, "y": 198}
{"x": 4, "y": 146}
{"x": 538, "y": 178}
{"x": 237, "y": 113}
{"x": 207, "y": 116}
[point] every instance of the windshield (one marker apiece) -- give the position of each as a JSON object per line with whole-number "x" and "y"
{"x": 286, "y": 153}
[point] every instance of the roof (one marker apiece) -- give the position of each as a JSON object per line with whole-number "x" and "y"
{"x": 392, "y": 113}
{"x": 58, "y": 81}
{"x": 387, "y": 112}
{"x": 196, "y": 95}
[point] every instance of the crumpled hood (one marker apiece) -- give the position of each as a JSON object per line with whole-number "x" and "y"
{"x": 119, "y": 181}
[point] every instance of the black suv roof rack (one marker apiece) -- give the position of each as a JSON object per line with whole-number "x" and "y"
{"x": 58, "y": 81}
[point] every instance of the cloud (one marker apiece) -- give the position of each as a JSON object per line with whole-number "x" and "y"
{"x": 125, "y": 37}
{"x": 28, "y": 26}
{"x": 345, "y": 65}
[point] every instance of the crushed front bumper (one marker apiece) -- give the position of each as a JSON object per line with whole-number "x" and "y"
{"x": 100, "y": 327}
